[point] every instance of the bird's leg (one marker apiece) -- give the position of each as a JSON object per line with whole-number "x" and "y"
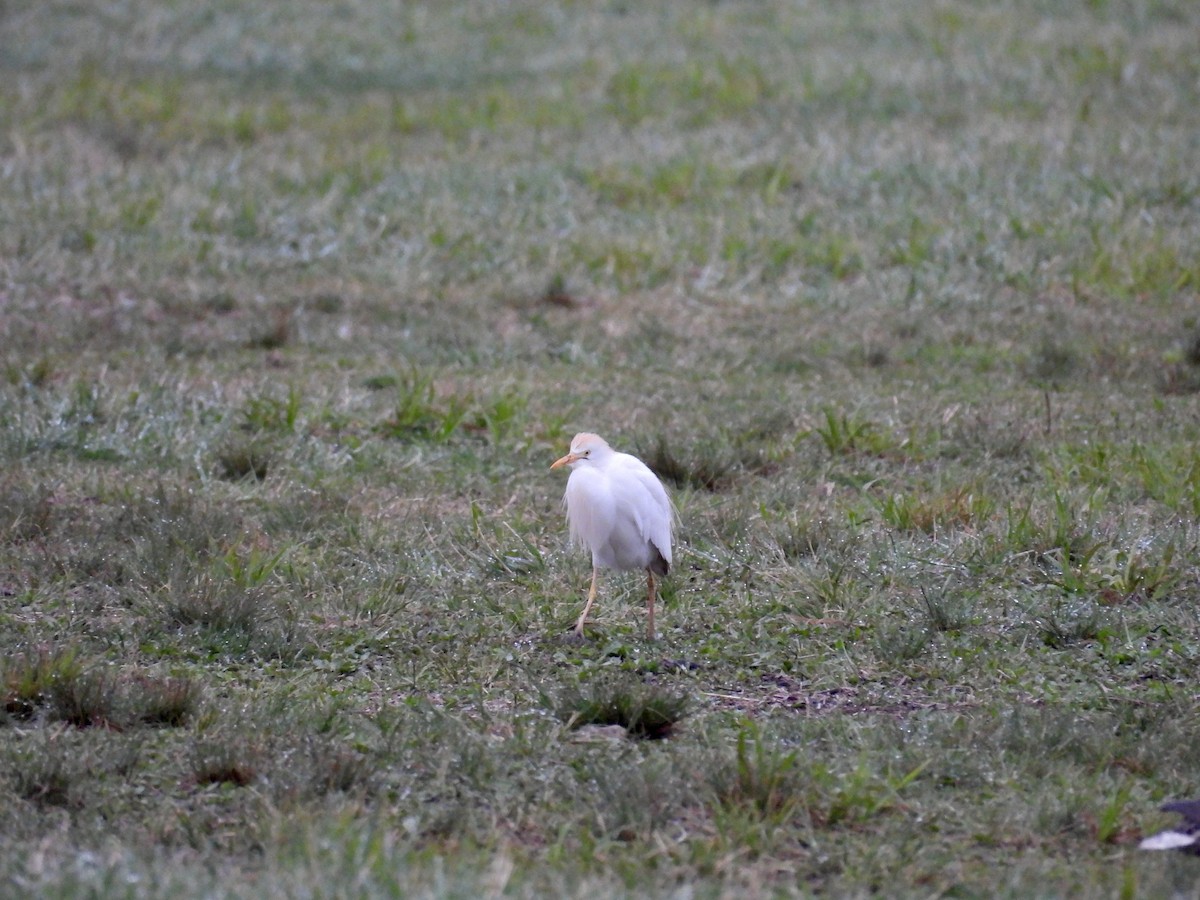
{"x": 650, "y": 603}
{"x": 587, "y": 606}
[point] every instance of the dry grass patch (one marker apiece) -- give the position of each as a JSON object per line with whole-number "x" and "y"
{"x": 644, "y": 711}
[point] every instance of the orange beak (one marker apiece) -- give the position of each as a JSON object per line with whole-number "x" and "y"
{"x": 565, "y": 461}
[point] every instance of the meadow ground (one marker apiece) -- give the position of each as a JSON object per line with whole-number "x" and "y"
{"x": 300, "y": 300}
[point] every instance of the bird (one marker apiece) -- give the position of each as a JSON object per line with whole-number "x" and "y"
{"x": 1186, "y": 837}
{"x": 619, "y": 511}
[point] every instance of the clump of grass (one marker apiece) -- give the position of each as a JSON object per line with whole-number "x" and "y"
{"x": 497, "y": 417}
{"x": 896, "y": 643}
{"x": 840, "y": 256}
{"x": 339, "y": 769}
{"x": 245, "y": 457}
{"x": 644, "y": 710}
{"x": 946, "y": 608}
{"x": 1141, "y": 575}
{"x": 711, "y": 463}
{"x": 1056, "y": 540}
{"x": 59, "y": 683}
{"x": 230, "y": 611}
{"x": 274, "y": 334}
{"x": 28, "y": 511}
{"x": 845, "y": 433}
{"x": 291, "y": 762}
{"x": 30, "y": 678}
{"x": 1179, "y": 380}
{"x": 213, "y": 602}
{"x": 632, "y": 799}
{"x": 168, "y": 702}
{"x": 798, "y": 537}
{"x": 92, "y": 699}
{"x": 224, "y": 761}
{"x": 268, "y": 413}
{"x": 707, "y": 466}
{"x": 863, "y": 792}
{"x": 46, "y": 775}
{"x": 558, "y": 293}
{"x": 960, "y": 506}
{"x": 98, "y": 699}
{"x": 77, "y": 239}
{"x": 502, "y": 549}
{"x": 419, "y": 412}
{"x": 762, "y": 777}
{"x": 35, "y": 374}
{"x": 323, "y": 765}
{"x": 251, "y": 450}
{"x": 1070, "y": 623}
{"x": 980, "y": 434}
{"x": 380, "y": 382}
{"x": 141, "y": 539}
{"x": 1181, "y": 368}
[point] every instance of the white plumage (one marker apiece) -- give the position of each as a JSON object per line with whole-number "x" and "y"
{"x": 619, "y": 510}
{"x": 1186, "y": 836}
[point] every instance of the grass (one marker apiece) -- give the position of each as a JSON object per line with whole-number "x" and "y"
{"x": 642, "y": 711}
{"x": 898, "y": 299}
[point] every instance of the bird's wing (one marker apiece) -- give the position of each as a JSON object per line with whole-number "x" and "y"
{"x": 645, "y": 494}
{"x": 1189, "y": 809}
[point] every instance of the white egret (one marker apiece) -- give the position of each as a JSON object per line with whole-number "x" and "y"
{"x": 619, "y": 510}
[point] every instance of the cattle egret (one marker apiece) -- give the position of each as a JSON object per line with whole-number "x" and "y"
{"x": 1186, "y": 837}
{"x": 619, "y": 510}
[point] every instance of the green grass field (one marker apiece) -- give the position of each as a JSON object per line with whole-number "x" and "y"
{"x": 299, "y": 301}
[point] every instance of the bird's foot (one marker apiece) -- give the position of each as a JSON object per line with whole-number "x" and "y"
{"x": 576, "y": 636}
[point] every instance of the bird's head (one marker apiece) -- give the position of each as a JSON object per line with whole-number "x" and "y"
{"x": 585, "y": 447}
